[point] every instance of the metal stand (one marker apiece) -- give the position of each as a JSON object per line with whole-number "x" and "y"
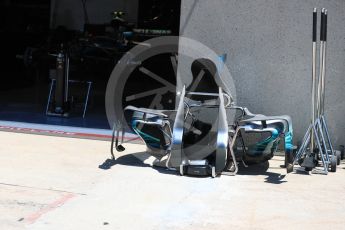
{"x": 87, "y": 96}
{"x": 115, "y": 139}
{"x": 327, "y": 154}
{"x": 60, "y": 106}
{"x": 317, "y": 137}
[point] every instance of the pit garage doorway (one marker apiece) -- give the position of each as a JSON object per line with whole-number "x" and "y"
{"x": 95, "y": 36}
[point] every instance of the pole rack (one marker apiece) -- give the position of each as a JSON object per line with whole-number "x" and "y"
{"x": 316, "y": 148}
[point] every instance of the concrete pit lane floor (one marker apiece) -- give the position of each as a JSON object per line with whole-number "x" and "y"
{"x": 58, "y": 183}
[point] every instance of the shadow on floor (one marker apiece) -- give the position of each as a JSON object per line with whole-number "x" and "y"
{"x": 130, "y": 160}
{"x": 261, "y": 169}
{"x": 252, "y": 170}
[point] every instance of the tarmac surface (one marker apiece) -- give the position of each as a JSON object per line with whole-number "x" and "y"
{"x": 58, "y": 183}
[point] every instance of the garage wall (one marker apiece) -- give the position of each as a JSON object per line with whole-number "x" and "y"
{"x": 69, "y": 13}
{"x": 268, "y": 43}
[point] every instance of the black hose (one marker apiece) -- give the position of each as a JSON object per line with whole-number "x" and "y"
{"x": 325, "y": 28}
{"x": 322, "y": 26}
{"x": 314, "y": 25}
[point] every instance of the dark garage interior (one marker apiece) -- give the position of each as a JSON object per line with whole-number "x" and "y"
{"x": 94, "y": 36}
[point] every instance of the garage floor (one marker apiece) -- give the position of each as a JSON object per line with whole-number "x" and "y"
{"x": 67, "y": 183}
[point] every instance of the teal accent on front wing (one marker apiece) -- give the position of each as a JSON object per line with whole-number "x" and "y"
{"x": 149, "y": 140}
{"x": 261, "y": 146}
{"x": 288, "y": 141}
{"x": 273, "y": 141}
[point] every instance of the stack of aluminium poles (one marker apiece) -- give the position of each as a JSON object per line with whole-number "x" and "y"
{"x": 316, "y": 144}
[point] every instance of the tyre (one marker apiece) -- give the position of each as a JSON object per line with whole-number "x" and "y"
{"x": 333, "y": 163}
{"x": 338, "y": 154}
{"x": 342, "y": 149}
